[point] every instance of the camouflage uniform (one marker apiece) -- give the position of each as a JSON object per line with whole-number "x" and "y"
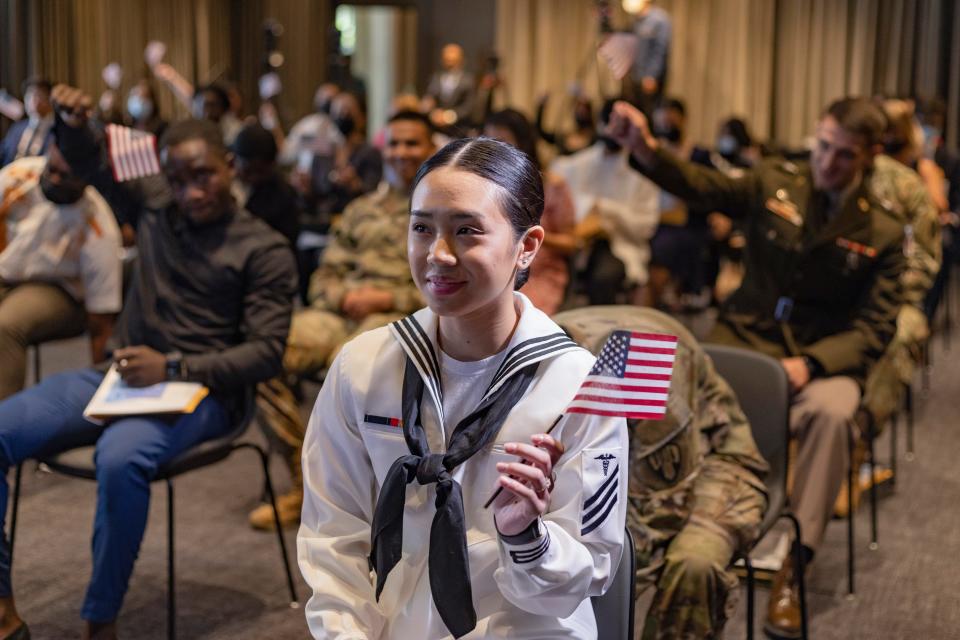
{"x": 368, "y": 248}
{"x": 904, "y": 193}
{"x": 696, "y": 495}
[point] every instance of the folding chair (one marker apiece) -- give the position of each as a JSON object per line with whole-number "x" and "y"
{"x": 78, "y": 463}
{"x": 763, "y": 390}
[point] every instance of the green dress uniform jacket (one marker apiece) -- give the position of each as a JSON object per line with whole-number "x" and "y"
{"x": 826, "y": 288}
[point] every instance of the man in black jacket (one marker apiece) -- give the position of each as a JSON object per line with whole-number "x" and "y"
{"x": 210, "y": 302}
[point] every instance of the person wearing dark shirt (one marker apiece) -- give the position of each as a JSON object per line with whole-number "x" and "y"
{"x": 210, "y": 302}
{"x": 351, "y": 170}
{"x": 263, "y": 191}
{"x": 30, "y": 136}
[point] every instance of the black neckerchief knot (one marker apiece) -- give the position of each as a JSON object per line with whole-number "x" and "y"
{"x": 448, "y": 564}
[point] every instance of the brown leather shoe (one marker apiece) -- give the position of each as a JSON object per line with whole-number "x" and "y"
{"x": 288, "y": 508}
{"x": 783, "y": 608}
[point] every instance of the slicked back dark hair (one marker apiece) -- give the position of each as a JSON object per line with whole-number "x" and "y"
{"x": 521, "y": 186}
{"x": 859, "y": 116}
{"x": 194, "y": 129}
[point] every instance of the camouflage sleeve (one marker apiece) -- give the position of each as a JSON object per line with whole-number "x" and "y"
{"x": 722, "y": 422}
{"x": 922, "y": 248}
{"x": 328, "y": 283}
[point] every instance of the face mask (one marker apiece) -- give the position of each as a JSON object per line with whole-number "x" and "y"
{"x": 198, "y": 107}
{"x": 670, "y": 134}
{"x": 894, "y": 146}
{"x": 345, "y": 124}
{"x": 610, "y": 144}
{"x": 323, "y": 107}
{"x": 59, "y": 193}
{"x": 727, "y": 145}
{"x": 139, "y": 108}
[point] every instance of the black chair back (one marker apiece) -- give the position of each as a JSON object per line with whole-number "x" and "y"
{"x": 763, "y": 390}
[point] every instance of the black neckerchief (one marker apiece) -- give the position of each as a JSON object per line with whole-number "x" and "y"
{"x": 449, "y": 567}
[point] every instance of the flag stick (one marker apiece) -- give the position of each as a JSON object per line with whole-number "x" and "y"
{"x": 499, "y": 489}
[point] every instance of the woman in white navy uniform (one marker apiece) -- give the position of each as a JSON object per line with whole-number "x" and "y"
{"x": 420, "y": 422}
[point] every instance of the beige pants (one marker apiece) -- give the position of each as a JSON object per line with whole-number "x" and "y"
{"x": 821, "y": 420}
{"x": 30, "y": 314}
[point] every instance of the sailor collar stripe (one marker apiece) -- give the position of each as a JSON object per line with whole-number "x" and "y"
{"x": 414, "y": 341}
{"x": 527, "y": 352}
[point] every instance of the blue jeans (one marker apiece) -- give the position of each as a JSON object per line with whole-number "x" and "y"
{"x": 48, "y": 418}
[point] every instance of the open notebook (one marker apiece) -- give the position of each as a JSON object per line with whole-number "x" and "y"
{"x": 114, "y": 398}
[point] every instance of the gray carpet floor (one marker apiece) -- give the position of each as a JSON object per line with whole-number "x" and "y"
{"x": 230, "y": 582}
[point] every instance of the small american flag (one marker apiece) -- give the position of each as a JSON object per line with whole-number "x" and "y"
{"x": 133, "y": 154}
{"x": 631, "y": 377}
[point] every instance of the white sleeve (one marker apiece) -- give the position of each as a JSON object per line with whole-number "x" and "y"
{"x": 100, "y": 267}
{"x": 577, "y": 549}
{"x": 333, "y": 543}
{"x": 635, "y": 219}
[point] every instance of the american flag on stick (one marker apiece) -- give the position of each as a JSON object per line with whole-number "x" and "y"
{"x": 133, "y": 154}
{"x": 631, "y": 377}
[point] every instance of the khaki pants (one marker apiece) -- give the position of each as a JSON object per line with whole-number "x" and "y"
{"x": 821, "y": 420}
{"x": 30, "y": 314}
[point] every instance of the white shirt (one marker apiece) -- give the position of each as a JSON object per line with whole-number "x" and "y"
{"x": 627, "y": 202}
{"x": 313, "y": 134}
{"x": 463, "y": 386}
{"x": 522, "y": 589}
{"x": 76, "y": 246}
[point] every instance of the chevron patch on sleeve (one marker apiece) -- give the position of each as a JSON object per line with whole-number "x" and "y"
{"x": 600, "y": 470}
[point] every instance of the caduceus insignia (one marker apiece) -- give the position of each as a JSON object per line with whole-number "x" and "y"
{"x": 605, "y": 460}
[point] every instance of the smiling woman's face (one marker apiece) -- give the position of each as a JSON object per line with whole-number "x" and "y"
{"x": 463, "y": 251}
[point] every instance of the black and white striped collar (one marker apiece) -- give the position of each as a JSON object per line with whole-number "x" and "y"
{"x": 536, "y": 338}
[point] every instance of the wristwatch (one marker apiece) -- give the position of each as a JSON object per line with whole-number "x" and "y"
{"x": 813, "y": 367}
{"x": 176, "y": 368}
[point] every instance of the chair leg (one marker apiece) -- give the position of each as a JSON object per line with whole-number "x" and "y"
{"x": 36, "y": 364}
{"x": 750, "y": 595}
{"x": 908, "y": 405}
{"x": 925, "y": 366}
{"x": 171, "y": 589}
{"x": 894, "y": 427}
{"x": 851, "y": 478}
{"x": 801, "y": 574}
{"x": 271, "y": 494}
{"x": 15, "y": 508}
{"x": 874, "y": 544}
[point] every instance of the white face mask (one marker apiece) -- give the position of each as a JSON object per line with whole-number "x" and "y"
{"x": 727, "y": 145}
{"x": 139, "y": 108}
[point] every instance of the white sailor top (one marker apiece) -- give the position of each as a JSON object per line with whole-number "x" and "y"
{"x": 537, "y": 586}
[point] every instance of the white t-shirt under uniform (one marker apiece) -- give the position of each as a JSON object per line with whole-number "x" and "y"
{"x": 75, "y": 246}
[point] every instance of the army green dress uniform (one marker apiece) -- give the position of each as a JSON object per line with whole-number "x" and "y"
{"x": 368, "y": 248}
{"x": 822, "y": 281}
{"x": 903, "y": 192}
{"x": 696, "y": 490}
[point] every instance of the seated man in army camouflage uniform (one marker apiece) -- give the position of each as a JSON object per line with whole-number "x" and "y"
{"x": 895, "y": 183}
{"x": 696, "y": 490}
{"x": 821, "y": 291}
{"x": 363, "y": 282}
